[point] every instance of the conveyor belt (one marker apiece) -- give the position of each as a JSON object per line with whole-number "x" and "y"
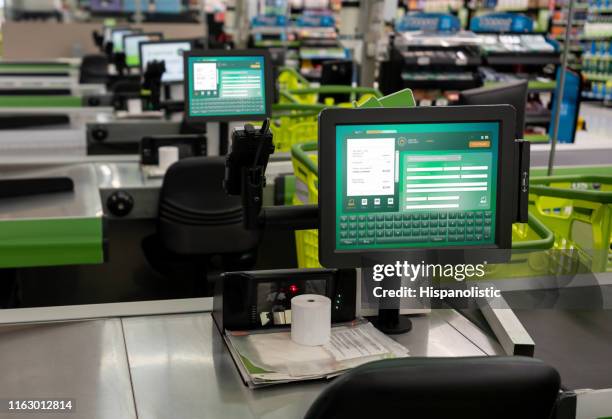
{"x": 576, "y": 342}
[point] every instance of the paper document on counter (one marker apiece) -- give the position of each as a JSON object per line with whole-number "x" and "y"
{"x": 271, "y": 357}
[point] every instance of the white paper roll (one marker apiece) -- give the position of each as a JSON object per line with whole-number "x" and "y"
{"x": 134, "y": 105}
{"x": 310, "y": 319}
{"x": 167, "y": 156}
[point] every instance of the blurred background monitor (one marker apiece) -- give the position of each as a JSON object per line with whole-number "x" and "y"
{"x": 117, "y": 35}
{"x": 513, "y": 93}
{"x": 171, "y": 52}
{"x": 131, "y": 46}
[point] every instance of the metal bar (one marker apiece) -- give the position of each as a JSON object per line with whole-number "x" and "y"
{"x": 508, "y": 329}
{"x": 553, "y": 144}
{"x": 94, "y": 311}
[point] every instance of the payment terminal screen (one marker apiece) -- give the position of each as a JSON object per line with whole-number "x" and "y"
{"x": 222, "y": 86}
{"x": 171, "y": 53}
{"x": 416, "y": 185}
{"x": 132, "y": 43}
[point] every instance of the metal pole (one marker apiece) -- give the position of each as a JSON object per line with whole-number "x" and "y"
{"x": 138, "y": 14}
{"x": 555, "y": 133}
{"x": 371, "y": 25}
{"x": 204, "y": 21}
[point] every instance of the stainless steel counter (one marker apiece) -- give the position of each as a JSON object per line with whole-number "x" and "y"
{"x": 84, "y": 202}
{"x": 82, "y": 361}
{"x": 175, "y": 366}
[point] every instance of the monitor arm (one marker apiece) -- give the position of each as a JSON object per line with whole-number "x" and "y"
{"x": 120, "y": 64}
{"x": 152, "y": 82}
{"x": 245, "y": 176}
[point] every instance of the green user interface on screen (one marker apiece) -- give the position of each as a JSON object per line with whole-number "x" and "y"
{"x": 226, "y": 86}
{"x": 416, "y": 185}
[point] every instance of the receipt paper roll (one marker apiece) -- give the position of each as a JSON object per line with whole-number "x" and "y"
{"x": 310, "y": 319}
{"x": 168, "y": 155}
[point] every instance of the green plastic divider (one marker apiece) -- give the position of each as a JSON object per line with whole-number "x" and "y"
{"x": 34, "y": 68}
{"x": 41, "y": 101}
{"x": 546, "y": 240}
{"x": 317, "y": 107}
{"x": 537, "y": 138}
{"x": 333, "y": 89}
{"x": 574, "y": 170}
{"x": 299, "y": 151}
{"x": 289, "y": 189}
{"x": 49, "y": 242}
{"x": 295, "y": 74}
{"x": 536, "y": 185}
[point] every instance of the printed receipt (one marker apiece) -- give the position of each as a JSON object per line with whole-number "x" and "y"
{"x": 349, "y": 343}
{"x": 370, "y": 166}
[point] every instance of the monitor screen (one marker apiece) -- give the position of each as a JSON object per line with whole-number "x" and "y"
{"x": 416, "y": 185}
{"x": 131, "y": 45}
{"x": 117, "y": 37}
{"x": 170, "y": 52}
{"x": 513, "y": 93}
{"x": 229, "y": 85}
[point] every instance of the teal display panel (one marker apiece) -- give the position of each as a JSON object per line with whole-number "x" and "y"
{"x": 226, "y": 86}
{"x": 416, "y": 185}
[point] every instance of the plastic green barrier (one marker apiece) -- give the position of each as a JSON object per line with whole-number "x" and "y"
{"x": 41, "y": 101}
{"x": 306, "y": 94}
{"x": 34, "y": 68}
{"x": 48, "y": 242}
{"x": 574, "y": 170}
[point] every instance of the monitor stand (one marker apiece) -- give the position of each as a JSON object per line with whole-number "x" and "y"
{"x": 390, "y": 322}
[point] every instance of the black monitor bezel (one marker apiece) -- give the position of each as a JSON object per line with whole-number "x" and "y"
{"x": 269, "y": 87}
{"x": 330, "y": 118}
{"x": 123, "y": 41}
{"x": 468, "y": 97}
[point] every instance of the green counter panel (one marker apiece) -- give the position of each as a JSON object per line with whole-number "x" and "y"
{"x": 48, "y": 242}
{"x": 32, "y": 68}
{"x": 41, "y": 101}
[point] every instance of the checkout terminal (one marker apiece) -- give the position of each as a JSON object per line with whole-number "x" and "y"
{"x": 228, "y": 86}
{"x": 400, "y": 180}
{"x": 395, "y": 181}
{"x": 225, "y": 86}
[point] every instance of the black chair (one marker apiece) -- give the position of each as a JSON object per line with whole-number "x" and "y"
{"x": 200, "y": 228}
{"x": 442, "y": 388}
{"x": 94, "y": 69}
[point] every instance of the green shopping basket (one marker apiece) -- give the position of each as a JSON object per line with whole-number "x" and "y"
{"x": 294, "y": 122}
{"x": 305, "y": 159}
{"x": 579, "y": 211}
